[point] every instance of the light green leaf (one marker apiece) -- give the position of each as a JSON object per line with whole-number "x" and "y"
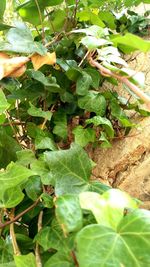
{"x": 25, "y": 260}
{"x": 40, "y": 168}
{"x": 106, "y": 124}
{"x": 83, "y": 136}
{"x": 4, "y": 105}
{"x": 8, "y": 264}
{"x": 69, "y": 213}
{"x": 107, "y": 208}
{"x": 70, "y": 168}
{"x": 83, "y": 83}
{"x": 47, "y": 200}
{"x": 25, "y": 157}
{"x": 38, "y": 112}
{"x": 59, "y": 260}
{"x": 20, "y": 40}
{"x": 2, "y": 8}
{"x": 108, "y": 18}
{"x": 132, "y": 41}
{"x": 92, "y": 42}
{"x": 104, "y": 140}
{"x": 87, "y": 15}
{"x": 94, "y": 30}
{"x": 130, "y": 245}
{"x": 11, "y": 197}
{"x": 45, "y": 143}
{"x": 93, "y": 102}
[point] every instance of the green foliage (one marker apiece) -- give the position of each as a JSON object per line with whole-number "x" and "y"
{"x": 51, "y": 213}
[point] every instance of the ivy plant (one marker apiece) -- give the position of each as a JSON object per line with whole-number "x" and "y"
{"x": 53, "y": 62}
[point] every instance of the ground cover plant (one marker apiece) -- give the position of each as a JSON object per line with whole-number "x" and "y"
{"x": 54, "y": 58}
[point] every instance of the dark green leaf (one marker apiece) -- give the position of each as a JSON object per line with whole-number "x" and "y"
{"x": 45, "y": 143}
{"x": 83, "y": 83}
{"x": 93, "y": 102}
{"x": 68, "y": 170}
{"x": 6, "y": 251}
{"x": 33, "y": 187}
{"x": 4, "y": 105}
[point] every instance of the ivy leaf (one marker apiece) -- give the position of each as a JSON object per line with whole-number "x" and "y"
{"x": 106, "y": 124}
{"x": 92, "y": 42}
{"x": 6, "y": 251}
{"x": 24, "y": 260}
{"x": 51, "y": 237}
{"x": 59, "y": 260}
{"x": 20, "y": 40}
{"x": 69, "y": 213}
{"x": 107, "y": 208}
{"x": 83, "y": 83}
{"x": 68, "y": 170}
{"x": 104, "y": 140}
{"x": 118, "y": 113}
{"x": 94, "y": 30}
{"x": 11, "y": 197}
{"x": 40, "y": 168}
{"x": 88, "y": 15}
{"x": 134, "y": 229}
{"x": 95, "y": 75}
{"x": 93, "y": 102}
{"x": 133, "y": 41}
{"x": 60, "y": 121}
{"x": 38, "y": 112}
{"x": 83, "y": 136}
{"x": 33, "y": 187}
{"x": 4, "y": 105}
{"x": 45, "y": 143}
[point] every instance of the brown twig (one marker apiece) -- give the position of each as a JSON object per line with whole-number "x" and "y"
{"x": 16, "y": 218}
{"x": 133, "y": 87}
{"x": 12, "y": 127}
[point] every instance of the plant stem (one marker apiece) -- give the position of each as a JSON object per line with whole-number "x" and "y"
{"x": 13, "y": 237}
{"x": 16, "y": 218}
{"x": 12, "y": 127}
{"x": 104, "y": 71}
{"x": 41, "y": 20}
{"x": 37, "y": 252}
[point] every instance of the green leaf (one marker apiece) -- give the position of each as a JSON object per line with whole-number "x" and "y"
{"x": 108, "y": 18}
{"x": 59, "y": 260}
{"x": 45, "y": 143}
{"x": 106, "y": 124}
{"x": 8, "y": 148}
{"x": 51, "y": 237}
{"x": 6, "y": 251}
{"x": 107, "y": 208}
{"x": 47, "y": 200}
{"x": 26, "y": 14}
{"x": 38, "y": 112}
{"x": 83, "y": 136}
{"x": 4, "y": 27}
{"x": 118, "y": 113}
{"x": 83, "y": 83}
{"x": 40, "y": 168}
{"x": 25, "y": 260}
{"x": 20, "y": 40}
{"x": 25, "y": 157}
{"x": 33, "y": 187}
{"x": 94, "y": 30}
{"x": 11, "y": 197}
{"x": 93, "y": 102}
{"x": 8, "y": 264}
{"x": 87, "y": 15}
{"x": 69, "y": 213}
{"x": 60, "y": 121}
{"x": 4, "y": 105}
{"x": 129, "y": 245}
{"x": 70, "y": 168}
{"x": 92, "y": 42}
{"x": 95, "y": 75}
{"x": 132, "y": 41}
{"x": 104, "y": 140}
{"x": 2, "y": 8}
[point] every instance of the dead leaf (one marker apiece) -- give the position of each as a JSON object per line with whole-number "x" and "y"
{"x": 38, "y": 61}
{"x": 12, "y": 67}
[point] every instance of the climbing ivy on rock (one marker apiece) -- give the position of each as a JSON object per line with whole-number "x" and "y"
{"x": 53, "y": 62}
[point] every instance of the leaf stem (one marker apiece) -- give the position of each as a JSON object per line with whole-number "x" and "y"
{"x": 13, "y": 236}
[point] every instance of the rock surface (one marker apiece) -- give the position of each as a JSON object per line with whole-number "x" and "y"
{"x": 127, "y": 164}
